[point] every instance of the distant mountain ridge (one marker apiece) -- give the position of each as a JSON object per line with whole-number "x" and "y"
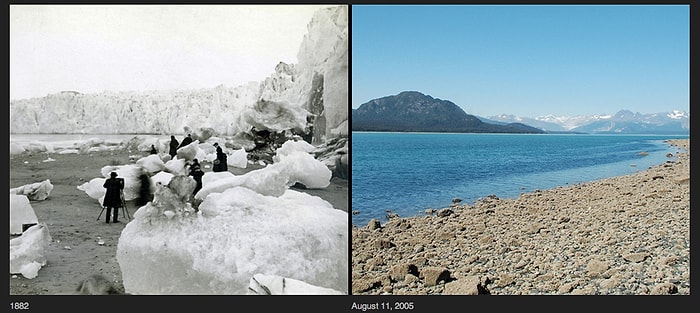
{"x": 412, "y": 111}
{"x": 622, "y": 122}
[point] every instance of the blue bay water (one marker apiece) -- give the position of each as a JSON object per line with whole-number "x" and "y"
{"x": 408, "y": 173}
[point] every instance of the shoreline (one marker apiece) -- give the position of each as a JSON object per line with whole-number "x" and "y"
{"x": 620, "y": 235}
{"x": 552, "y": 174}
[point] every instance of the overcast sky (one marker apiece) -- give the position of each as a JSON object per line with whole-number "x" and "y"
{"x": 93, "y": 48}
{"x": 526, "y": 60}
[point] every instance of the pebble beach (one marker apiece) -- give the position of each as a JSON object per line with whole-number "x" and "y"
{"x": 626, "y": 235}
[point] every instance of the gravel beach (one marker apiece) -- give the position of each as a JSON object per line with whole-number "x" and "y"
{"x": 627, "y": 235}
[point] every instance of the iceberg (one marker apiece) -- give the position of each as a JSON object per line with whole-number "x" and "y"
{"x": 261, "y": 284}
{"x": 27, "y": 252}
{"x": 21, "y": 214}
{"x": 36, "y": 191}
{"x": 235, "y": 235}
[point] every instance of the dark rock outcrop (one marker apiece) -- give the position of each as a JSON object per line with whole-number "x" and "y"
{"x": 412, "y": 111}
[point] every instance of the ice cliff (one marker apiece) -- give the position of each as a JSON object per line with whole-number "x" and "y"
{"x": 314, "y": 89}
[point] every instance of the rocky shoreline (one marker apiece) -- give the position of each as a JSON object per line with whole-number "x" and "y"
{"x": 626, "y": 235}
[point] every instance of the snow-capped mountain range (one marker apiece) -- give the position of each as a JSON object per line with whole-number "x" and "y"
{"x": 624, "y": 121}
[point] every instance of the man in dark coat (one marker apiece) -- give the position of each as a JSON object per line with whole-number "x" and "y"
{"x": 220, "y": 164}
{"x": 113, "y": 196}
{"x": 145, "y": 188}
{"x": 173, "y": 146}
{"x": 153, "y": 150}
{"x": 186, "y": 141}
{"x": 196, "y": 173}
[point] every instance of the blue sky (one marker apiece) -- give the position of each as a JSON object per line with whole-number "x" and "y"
{"x": 526, "y": 60}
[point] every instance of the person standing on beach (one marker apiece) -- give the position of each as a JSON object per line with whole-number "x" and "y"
{"x": 113, "y": 197}
{"x": 173, "y": 146}
{"x": 153, "y": 150}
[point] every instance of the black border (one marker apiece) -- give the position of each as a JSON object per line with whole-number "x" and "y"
{"x": 55, "y": 303}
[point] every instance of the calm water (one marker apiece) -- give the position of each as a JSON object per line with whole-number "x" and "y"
{"x": 67, "y": 140}
{"x": 410, "y": 172}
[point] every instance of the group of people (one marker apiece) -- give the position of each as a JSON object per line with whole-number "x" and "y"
{"x": 220, "y": 165}
{"x": 175, "y": 145}
{"x": 114, "y": 195}
{"x": 115, "y": 186}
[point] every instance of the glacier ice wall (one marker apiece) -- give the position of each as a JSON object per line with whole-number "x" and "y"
{"x": 317, "y": 85}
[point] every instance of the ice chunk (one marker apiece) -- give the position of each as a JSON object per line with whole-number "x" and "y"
{"x": 21, "y": 213}
{"x": 207, "y": 147}
{"x": 274, "y": 179}
{"x": 271, "y": 181}
{"x": 151, "y": 163}
{"x": 94, "y": 188}
{"x": 275, "y": 115}
{"x": 214, "y": 176}
{"x": 238, "y": 158}
{"x": 169, "y": 200}
{"x": 291, "y": 146}
{"x": 189, "y": 151}
{"x": 36, "y": 191}
{"x": 276, "y": 285}
{"x": 161, "y": 177}
{"x": 303, "y": 168}
{"x": 237, "y": 233}
{"x": 27, "y": 251}
{"x": 130, "y": 173}
{"x": 176, "y": 166}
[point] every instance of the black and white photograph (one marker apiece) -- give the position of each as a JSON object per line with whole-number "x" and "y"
{"x": 349, "y": 156}
{"x": 179, "y": 149}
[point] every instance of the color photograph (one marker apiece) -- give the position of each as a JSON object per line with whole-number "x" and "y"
{"x": 520, "y": 150}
